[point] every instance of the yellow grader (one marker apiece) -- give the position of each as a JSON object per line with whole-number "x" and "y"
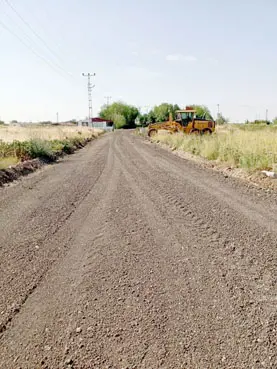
{"x": 185, "y": 121}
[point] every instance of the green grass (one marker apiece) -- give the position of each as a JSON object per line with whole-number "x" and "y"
{"x": 248, "y": 148}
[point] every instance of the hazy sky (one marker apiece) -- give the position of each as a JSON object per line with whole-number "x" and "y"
{"x": 143, "y": 52}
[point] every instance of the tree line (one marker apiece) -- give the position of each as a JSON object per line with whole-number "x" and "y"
{"x": 128, "y": 116}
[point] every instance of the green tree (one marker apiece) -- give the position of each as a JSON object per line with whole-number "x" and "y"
{"x": 119, "y": 120}
{"x": 274, "y": 121}
{"x": 259, "y": 121}
{"x": 160, "y": 113}
{"x": 175, "y": 108}
{"x": 143, "y": 119}
{"x": 2, "y": 122}
{"x": 121, "y": 114}
{"x": 151, "y": 117}
{"x": 221, "y": 119}
{"x": 202, "y": 111}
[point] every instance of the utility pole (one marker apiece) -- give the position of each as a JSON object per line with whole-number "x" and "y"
{"x": 217, "y": 111}
{"x": 57, "y": 117}
{"x": 266, "y": 115}
{"x": 108, "y": 98}
{"x": 90, "y": 87}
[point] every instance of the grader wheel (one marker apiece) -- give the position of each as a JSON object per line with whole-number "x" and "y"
{"x": 152, "y": 132}
{"x": 206, "y": 132}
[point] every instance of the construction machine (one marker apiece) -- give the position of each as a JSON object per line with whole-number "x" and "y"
{"x": 186, "y": 121}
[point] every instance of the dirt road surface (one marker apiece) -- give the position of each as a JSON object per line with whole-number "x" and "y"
{"x": 126, "y": 256}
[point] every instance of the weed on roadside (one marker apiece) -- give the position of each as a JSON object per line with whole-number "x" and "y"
{"x": 11, "y": 153}
{"x": 249, "y": 149}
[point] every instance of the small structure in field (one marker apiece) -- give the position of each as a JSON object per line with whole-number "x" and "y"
{"x": 100, "y": 123}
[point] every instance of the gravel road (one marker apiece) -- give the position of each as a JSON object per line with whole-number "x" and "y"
{"x": 125, "y": 256}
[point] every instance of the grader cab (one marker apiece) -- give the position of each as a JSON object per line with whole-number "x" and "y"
{"x": 186, "y": 121}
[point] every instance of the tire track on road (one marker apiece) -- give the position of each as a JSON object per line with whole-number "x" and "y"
{"x": 157, "y": 273}
{"x": 47, "y": 239}
{"x": 238, "y": 273}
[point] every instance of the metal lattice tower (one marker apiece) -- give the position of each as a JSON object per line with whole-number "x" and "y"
{"x": 90, "y": 87}
{"x": 108, "y": 98}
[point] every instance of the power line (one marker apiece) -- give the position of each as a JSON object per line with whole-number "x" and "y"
{"x": 32, "y": 30}
{"x": 31, "y": 40}
{"x": 29, "y": 10}
{"x": 56, "y": 65}
{"x": 49, "y": 63}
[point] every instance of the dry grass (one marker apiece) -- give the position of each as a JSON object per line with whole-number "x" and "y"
{"x": 252, "y": 148}
{"x": 23, "y": 143}
{"x": 14, "y": 133}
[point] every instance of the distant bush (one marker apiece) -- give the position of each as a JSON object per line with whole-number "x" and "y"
{"x": 221, "y": 119}
{"x": 258, "y": 122}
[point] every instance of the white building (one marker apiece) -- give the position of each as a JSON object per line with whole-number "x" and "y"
{"x": 100, "y": 123}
